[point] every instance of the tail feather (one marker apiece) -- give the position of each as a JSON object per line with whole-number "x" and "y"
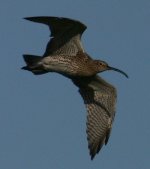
{"x": 33, "y": 64}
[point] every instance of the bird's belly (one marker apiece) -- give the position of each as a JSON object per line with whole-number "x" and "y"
{"x": 66, "y": 66}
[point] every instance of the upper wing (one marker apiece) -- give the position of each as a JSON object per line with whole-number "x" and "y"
{"x": 65, "y": 35}
{"x": 99, "y": 98}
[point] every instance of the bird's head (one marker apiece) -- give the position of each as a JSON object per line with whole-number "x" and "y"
{"x": 103, "y": 66}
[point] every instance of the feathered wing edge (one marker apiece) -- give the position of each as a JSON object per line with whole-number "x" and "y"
{"x": 99, "y": 98}
{"x": 65, "y": 35}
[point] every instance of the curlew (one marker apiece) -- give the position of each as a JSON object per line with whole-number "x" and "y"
{"x": 65, "y": 55}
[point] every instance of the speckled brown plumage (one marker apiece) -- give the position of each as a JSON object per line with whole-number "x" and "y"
{"x": 65, "y": 55}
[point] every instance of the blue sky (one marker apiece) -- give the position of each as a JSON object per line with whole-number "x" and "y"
{"x": 43, "y": 118}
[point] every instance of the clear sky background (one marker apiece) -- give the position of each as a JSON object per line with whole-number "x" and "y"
{"x": 43, "y": 118}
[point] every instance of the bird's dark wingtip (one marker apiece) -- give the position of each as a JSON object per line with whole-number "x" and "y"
{"x": 29, "y": 18}
{"x": 35, "y": 18}
{"x": 92, "y": 152}
{"x": 26, "y": 18}
{"x": 92, "y": 157}
{"x": 39, "y": 19}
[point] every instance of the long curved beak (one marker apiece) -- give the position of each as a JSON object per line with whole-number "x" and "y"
{"x": 118, "y": 70}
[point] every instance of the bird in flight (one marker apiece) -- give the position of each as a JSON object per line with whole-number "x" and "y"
{"x": 65, "y": 55}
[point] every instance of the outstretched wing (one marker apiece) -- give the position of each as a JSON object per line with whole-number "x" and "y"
{"x": 65, "y": 35}
{"x": 99, "y": 98}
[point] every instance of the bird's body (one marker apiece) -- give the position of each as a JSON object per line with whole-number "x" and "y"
{"x": 65, "y": 55}
{"x": 80, "y": 65}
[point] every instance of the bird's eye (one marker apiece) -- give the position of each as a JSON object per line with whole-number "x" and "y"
{"x": 102, "y": 64}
